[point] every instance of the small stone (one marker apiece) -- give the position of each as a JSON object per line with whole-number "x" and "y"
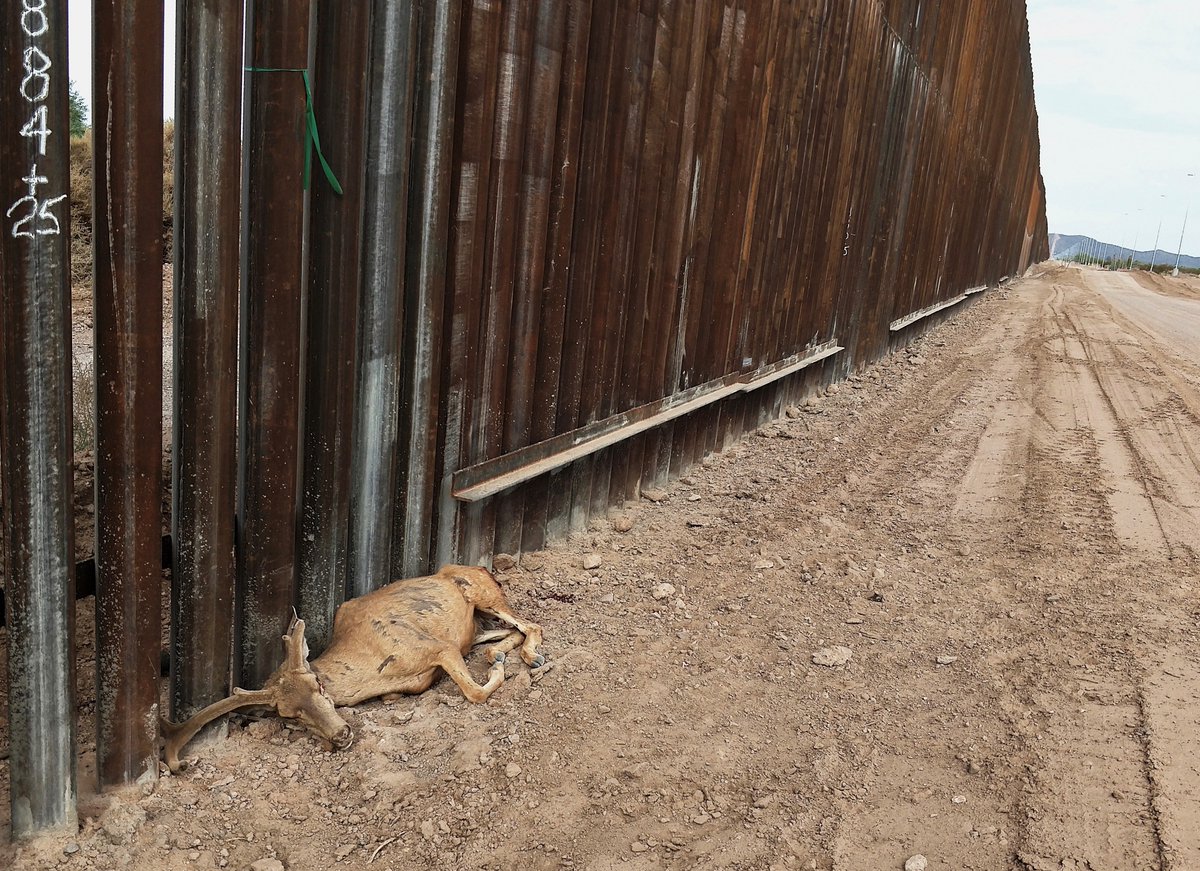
{"x": 965, "y": 550}
{"x": 663, "y": 591}
{"x": 654, "y": 494}
{"x": 504, "y": 562}
{"x": 512, "y": 770}
{"x": 608, "y": 599}
{"x": 638, "y": 847}
{"x": 832, "y": 657}
{"x": 697, "y": 522}
{"x": 266, "y": 865}
{"x": 854, "y": 621}
{"x": 592, "y": 561}
{"x": 959, "y": 799}
{"x": 533, "y": 562}
{"x": 193, "y": 855}
{"x": 946, "y": 659}
{"x": 763, "y": 564}
{"x": 622, "y": 523}
{"x": 71, "y": 848}
{"x": 427, "y": 830}
{"x": 916, "y": 863}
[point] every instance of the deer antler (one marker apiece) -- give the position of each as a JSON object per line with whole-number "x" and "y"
{"x": 177, "y": 735}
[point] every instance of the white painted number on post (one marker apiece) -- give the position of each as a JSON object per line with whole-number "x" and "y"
{"x": 31, "y": 214}
{"x": 36, "y": 127}
{"x": 37, "y": 69}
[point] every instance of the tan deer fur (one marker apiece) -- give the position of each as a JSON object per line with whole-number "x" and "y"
{"x": 389, "y": 642}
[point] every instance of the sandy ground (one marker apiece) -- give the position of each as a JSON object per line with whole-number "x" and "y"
{"x": 1002, "y": 525}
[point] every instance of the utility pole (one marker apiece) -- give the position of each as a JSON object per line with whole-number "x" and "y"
{"x": 1154, "y": 253}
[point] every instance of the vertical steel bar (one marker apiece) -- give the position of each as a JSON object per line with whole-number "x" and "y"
{"x": 602, "y": 81}
{"x": 381, "y": 312}
{"x": 458, "y": 528}
{"x": 273, "y": 268}
{"x": 207, "y": 231}
{"x": 340, "y": 102}
{"x": 542, "y": 519}
{"x": 545, "y": 70}
{"x": 508, "y": 138}
{"x": 127, "y": 214}
{"x": 35, "y": 414}
{"x": 425, "y": 281}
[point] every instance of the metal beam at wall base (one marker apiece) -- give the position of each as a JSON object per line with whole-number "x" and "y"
{"x": 484, "y": 480}
{"x": 909, "y": 319}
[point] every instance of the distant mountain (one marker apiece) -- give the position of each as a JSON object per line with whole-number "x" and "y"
{"x": 1063, "y": 247}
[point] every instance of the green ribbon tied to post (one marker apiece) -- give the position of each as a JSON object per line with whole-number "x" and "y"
{"x": 310, "y": 123}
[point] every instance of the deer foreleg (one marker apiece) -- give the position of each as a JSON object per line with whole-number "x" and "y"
{"x": 510, "y": 639}
{"x": 451, "y": 662}
{"x": 531, "y": 631}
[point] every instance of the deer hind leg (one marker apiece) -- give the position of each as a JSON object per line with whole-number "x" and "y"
{"x": 531, "y": 631}
{"x": 451, "y": 662}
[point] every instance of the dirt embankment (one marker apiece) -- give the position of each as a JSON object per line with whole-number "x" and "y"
{"x": 998, "y": 524}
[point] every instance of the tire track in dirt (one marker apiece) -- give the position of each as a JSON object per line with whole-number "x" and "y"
{"x": 1158, "y": 426}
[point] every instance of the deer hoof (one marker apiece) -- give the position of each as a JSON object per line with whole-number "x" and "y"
{"x": 537, "y": 662}
{"x": 499, "y": 660}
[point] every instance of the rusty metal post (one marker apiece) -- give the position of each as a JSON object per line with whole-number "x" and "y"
{"x": 127, "y": 219}
{"x": 208, "y": 109}
{"x": 381, "y": 306}
{"x": 425, "y": 282}
{"x": 35, "y": 414}
{"x": 273, "y": 269}
{"x": 340, "y": 103}
{"x": 458, "y": 527}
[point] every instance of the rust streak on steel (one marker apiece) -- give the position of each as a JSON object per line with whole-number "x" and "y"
{"x": 381, "y": 310}
{"x": 35, "y": 416}
{"x": 340, "y": 86}
{"x": 425, "y": 281}
{"x": 273, "y": 271}
{"x": 207, "y": 231}
{"x": 127, "y": 220}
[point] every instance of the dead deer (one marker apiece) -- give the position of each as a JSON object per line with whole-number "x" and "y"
{"x": 390, "y": 642}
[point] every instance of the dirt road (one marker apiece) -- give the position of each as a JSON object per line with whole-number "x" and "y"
{"x": 1002, "y": 525}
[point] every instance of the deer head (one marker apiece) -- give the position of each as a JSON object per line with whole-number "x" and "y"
{"x": 293, "y": 691}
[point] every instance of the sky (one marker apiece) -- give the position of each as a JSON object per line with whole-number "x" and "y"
{"x": 1117, "y": 84}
